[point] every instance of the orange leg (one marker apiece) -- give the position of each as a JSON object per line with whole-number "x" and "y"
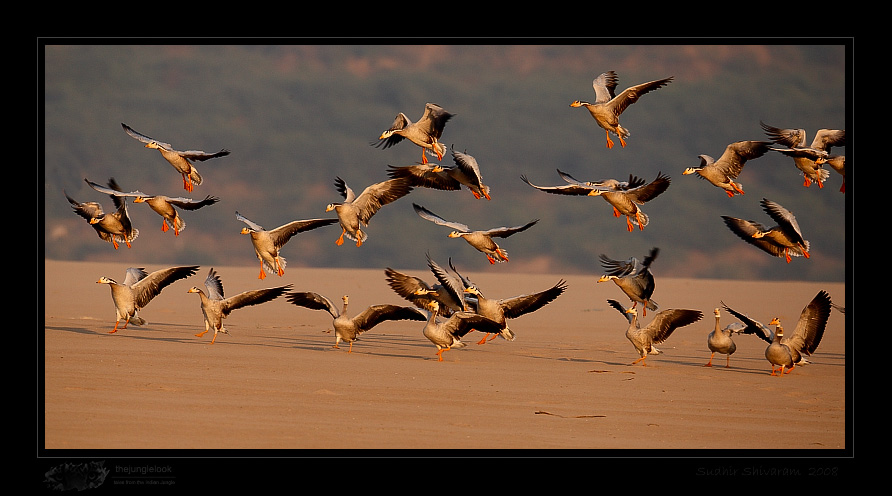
{"x": 709, "y": 364}
{"x": 729, "y": 193}
{"x": 807, "y": 182}
{"x": 200, "y": 334}
{"x": 629, "y": 223}
{"x": 609, "y": 141}
{"x": 501, "y": 254}
{"x": 164, "y": 227}
{"x": 483, "y": 341}
{"x": 638, "y": 218}
{"x": 440, "y": 354}
{"x": 214, "y": 338}
{"x": 641, "y": 360}
{"x": 350, "y": 349}
{"x": 340, "y": 240}
{"x": 622, "y": 142}
{"x": 114, "y": 242}
{"x": 423, "y": 157}
{"x": 187, "y": 184}
{"x": 615, "y": 212}
{"x": 491, "y": 260}
{"x": 728, "y": 362}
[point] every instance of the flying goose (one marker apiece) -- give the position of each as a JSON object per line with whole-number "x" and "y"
{"x": 500, "y": 310}
{"x": 268, "y": 243}
{"x": 657, "y": 331}
{"x": 625, "y": 200}
{"x": 424, "y": 133}
{"x": 448, "y": 292}
{"x": 782, "y": 240}
{"x": 109, "y": 226}
{"x": 719, "y": 339}
{"x": 216, "y": 307}
{"x": 633, "y": 277}
{"x": 480, "y": 240}
{"x": 724, "y": 171}
{"x": 346, "y": 328}
{"x": 138, "y": 289}
{"x": 179, "y": 160}
{"x": 784, "y": 352}
{"x": 447, "y": 334}
{"x": 355, "y": 211}
{"x": 162, "y": 205}
{"x": 807, "y": 158}
{"x": 465, "y": 172}
{"x": 608, "y": 106}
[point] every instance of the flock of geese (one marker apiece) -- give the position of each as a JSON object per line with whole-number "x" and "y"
{"x": 453, "y": 306}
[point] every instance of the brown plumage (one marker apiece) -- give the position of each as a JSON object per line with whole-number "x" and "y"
{"x": 268, "y": 243}
{"x": 782, "y": 240}
{"x": 623, "y": 197}
{"x": 658, "y": 330}
{"x": 215, "y": 307}
{"x": 722, "y": 172}
{"x": 109, "y": 226}
{"x": 138, "y": 289}
{"x": 181, "y": 161}
{"x": 608, "y": 106}
{"x": 349, "y": 328}
{"x": 425, "y": 133}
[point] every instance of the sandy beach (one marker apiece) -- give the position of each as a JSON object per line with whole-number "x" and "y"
{"x": 566, "y": 383}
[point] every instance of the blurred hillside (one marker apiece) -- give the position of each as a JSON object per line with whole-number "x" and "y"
{"x": 295, "y": 117}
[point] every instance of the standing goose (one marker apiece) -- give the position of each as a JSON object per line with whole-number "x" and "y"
{"x": 480, "y": 240}
{"x": 179, "y": 160}
{"x": 356, "y": 211}
{"x": 786, "y": 351}
{"x": 659, "y": 329}
{"x": 162, "y": 205}
{"x": 500, "y": 310}
{"x": 447, "y": 335}
{"x": 724, "y": 171}
{"x": 216, "y": 308}
{"x": 625, "y": 200}
{"x": 633, "y": 277}
{"x": 719, "y": 339}
{"x": 808, "y": 159}
{"x": 783, "y": 240}
{"x": 138, "y": 289}
{"x": 424, "y": 133}
{"x": 807, "y": 335}
{"x": 346, "y": 328}
{"x": 268, "y": 243}
{"x": 608, "y": 106}
{"x": 109, "y": 226}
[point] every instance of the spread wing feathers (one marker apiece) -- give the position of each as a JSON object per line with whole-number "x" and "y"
{"x": 436, "y": 219}
{"x": 374, "y": 196}
{"x": 453, "y": 285}
{"x": 751, "y": 326}
{"x": 375, "y": 314}
{"x": 784, "y": 218}
{"x": 631, "y": 94}
{"x": 461, "y": 323}
{"x": 523, "y": 304}
{"x": 633, "y": 182}
{"x": 665, "y": 322}
{"x": 423, "y": 175}
{"x": 568, "y": 189}
{"x": 282, "y": 234}
{"x": 214, "y": 285}
{"x": 149, "y": 286}
{"x": 649, "y": 191}
{"x": 433, "y": 121}
{"x": 190, "y": 204}
{"x": 254, "y": 297}
{"x": 736, "y": 154}
{"x": 504, "y": 232}
{"x": 744, "y": 229}
{"x": 622, "y": 268}
{"x": 809, "y": 330}
{"x": 188, "y": 154}
{"x": 87, "y": 210}
{"x": 313, "y": 301}
{"x": 619, "y": 306}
